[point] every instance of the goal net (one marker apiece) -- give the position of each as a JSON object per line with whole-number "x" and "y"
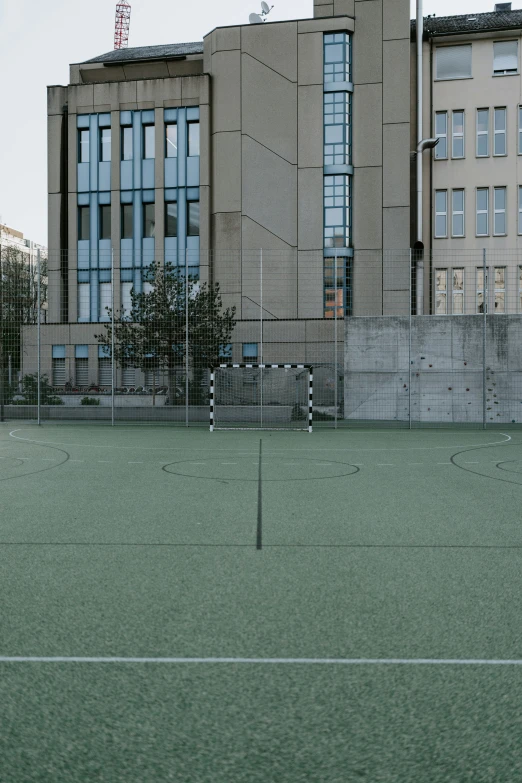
{"x": 261, "y": 396}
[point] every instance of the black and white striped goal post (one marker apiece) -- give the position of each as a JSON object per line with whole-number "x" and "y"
{"x": 262, "y": 405}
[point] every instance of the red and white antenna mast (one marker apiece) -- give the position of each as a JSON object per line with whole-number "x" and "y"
{"x": 122, "y": 25}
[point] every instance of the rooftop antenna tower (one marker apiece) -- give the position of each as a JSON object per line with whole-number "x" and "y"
{"x": 122, "y": 24}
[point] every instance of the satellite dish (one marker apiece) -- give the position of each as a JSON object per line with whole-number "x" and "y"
{"x": 255, "y": 19}
{"x": 265, "y": 7}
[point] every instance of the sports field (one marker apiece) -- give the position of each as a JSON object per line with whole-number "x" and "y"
{"x": 244, "y": 607}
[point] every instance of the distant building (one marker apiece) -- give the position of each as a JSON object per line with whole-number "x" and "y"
{"x": 10, "y": 237}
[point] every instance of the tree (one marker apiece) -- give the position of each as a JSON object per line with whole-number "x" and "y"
{"x": 152, "y": 336}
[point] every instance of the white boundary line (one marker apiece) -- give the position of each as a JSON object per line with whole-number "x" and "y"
{"x": 275, "y": 451}
{"x": 291, "y": 661}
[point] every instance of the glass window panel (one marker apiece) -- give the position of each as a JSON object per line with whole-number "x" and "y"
{"x": 458, "y": 200}
{"x": 126, "y": 144}
{"x": 520, "y": 130}
{"x": 500, "y": 302}
{"x": 482, "y": 145}
{"x": 84, "y": 311}
{"x": 458, "y": 279}
{"x": 500, "y": 198}
{"x": 480, "y": 302}
{"x": 458, "y": 147}
{"x": 458, "y": 304}
{"x": 441, "y": 277}
{"x": 193, "y": 139}
{"x": 105, "y": 144}
{"x": 500, "y": 223}
{"x": 440, "y": 201}
{"x": 500, "y": 277}
{"x": 149, "y": 220}
{"x": 458, "y": 122}
{"x": 482, "y": 224}
{"x": 480, "y": 278}
{"x": 441, "y": 119}
{"x": 440, "y": 226}
{"x": 83, "y": 143}
{"x": 334, "y": 134}
{"x": 334, "y": 54}
{"x": 84, "y": 222}
{"x": 500, "y": 143}
{"x": 505, "y": 57}
{"x": 441, "y": 150}
{"x": 334, "y": 216}
{"x": 193, "y": 219}
{"x": 105, "y": 221}
{"x": 171, "y": 135}
{"x": 482, "y": 199}
{"x": 148, "y": 141}
{"x": 171, "y": 219}
{"x": 440, "y": 303}
{"x": 127, "y": 212}
{"x": 458, "y": 225}
{"x": 482, "y": 120}
{"x": 500, "y": 119}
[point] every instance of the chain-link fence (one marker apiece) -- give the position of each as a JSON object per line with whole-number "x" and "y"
{"x": 392, "y": 338}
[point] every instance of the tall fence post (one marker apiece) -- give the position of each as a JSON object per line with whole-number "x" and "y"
{"x": 1, "y": 338}
{"x": 38, "y": 333}
{"x": 261, "y": 331}
{"x": 409, "y": 342}
{"x": 485, "y": 297}
{"x": 113, "y": 368}
{"x": 336, "y": 372}
{"x": 186, "y": 340}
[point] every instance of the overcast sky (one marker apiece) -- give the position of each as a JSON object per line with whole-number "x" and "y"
{"x": 39, "y": 38}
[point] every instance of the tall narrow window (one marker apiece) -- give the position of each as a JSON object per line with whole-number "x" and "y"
{"x": 520, "y": 209}
{"x": 337, "y": 211}
{"x": 499, "y": 131}
{"x": 482, "y": 228}
{"x": 171, "y": 219}
{"x": 441, "y": 291}
{"x": 457, "y": 213}
{"x": 83, "y": 146}
{"x": 499, "y": 209}
{"x": 105, "y": 144}
{"x": 520, "y": 289}
{"x": 105, "y": 221}
{"x": 84, "y": 222}
{"x": 337, "y": 57}
{"x": 149, "y": 220}
{"x": 520, "y": 130}
{"x": 337, "y": 147}
{"x": 58, "y": 356}
{"x": 482, "y": 133}
{"x": 334, "y": 286}
{"x": 126, "y": 299}
{"x": 127, "y": 213}
{"x": 105, "y": 372}
{"x": 458, "y": 292}
{"x": 193, "y": 219}
{"x": 148, "y": 141}
{"x": 81, "y": 365}
{"x": 193, "y": 139}
{"x": 84, "y": 304}
{"x": 171, "y": 140}
{"x": 441, "y": 132}
{"x": 500, "y": 289}
{"x": 505, "y": 57}
{"x": 441, "y": 213}
{"x": 480, "y": 289}
{"x": 126, "y": 144}
{"x": 457, "y": 134}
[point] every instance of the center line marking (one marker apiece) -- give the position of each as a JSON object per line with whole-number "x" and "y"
{"x": 135, "y": 463}
{"x": 228, "y": 463}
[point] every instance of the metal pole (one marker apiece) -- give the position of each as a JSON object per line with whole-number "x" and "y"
{"x": 261, "y": 330}
{"x": 409, "y": 349}
{"x": 484, "y": 337}
{"x": 112, "y": 338}
{"x": 1, "y": 338}
{"x": 419, "y": 33}
{"x": 38, "y": 333}
{"x": 186, "y": 342}
{"x": 335, "y": 341}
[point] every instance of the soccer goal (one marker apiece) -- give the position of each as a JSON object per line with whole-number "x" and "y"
{"x": 261, "y": 396}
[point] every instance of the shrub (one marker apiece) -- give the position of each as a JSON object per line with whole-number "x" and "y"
{"x": 90, "y": 401}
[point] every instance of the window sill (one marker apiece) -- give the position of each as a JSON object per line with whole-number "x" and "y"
{"x": 501, "y": 75}
{"x": 453, "y": 79}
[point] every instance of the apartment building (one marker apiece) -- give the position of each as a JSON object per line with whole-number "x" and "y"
{"x": 473, "y": 179}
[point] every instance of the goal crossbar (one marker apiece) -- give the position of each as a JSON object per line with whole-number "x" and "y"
{"x": 263, "y": 406}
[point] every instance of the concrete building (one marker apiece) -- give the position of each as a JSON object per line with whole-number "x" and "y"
{"x": 11, "y": 238}
{"x": 287, "y": 137}
{"x": 473, "y": 180}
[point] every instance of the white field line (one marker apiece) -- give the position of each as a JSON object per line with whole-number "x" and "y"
{"x": 268, "y": 661}
{"x": 275, "y": 452}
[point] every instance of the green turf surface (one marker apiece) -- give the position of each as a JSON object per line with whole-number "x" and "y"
{"x": 141, "y": 542}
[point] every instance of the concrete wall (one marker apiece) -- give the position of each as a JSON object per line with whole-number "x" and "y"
{"x": 447, "y": 370}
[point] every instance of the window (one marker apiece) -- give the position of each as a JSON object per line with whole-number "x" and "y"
{"x": 149, "y": 220}
{"x": 126, "y": 299}
{"x": 499, "y": 212}
{"x": 458, "y": 292}
{"x": 337, "y": 141}
{"x": 499, "y": 132}
{"x": 250, "y": 353}
{"x": 193, "y": 139}
{"x": 193, "y": 219}
{"x": 457, "y": 134}
{"x": 480, "y": 289}
{"x": 81, "y": 365}
{"x": 441, "y": 291}
{"x": 337, "y": 58}
{"x": 334, "y": 287}
{"x": 105, "y": 372}
{"x": 84, "y": 222}
{"x": 520, "y": 130}
{"x": 505, "y": 57}
{"x": 520, "y": 209}
{"x": 84, "y": 304}
{"x": 441, "y": 132}
{"x": 171, "y": 219}
{"x": 457, "y": 213}
{"x": 171, "y": 140}
{"x": 105, "y": 221}
{"x": 105, "y": 301}
{"x": 148, "y": 141}
{"x": 126, "y": 144}
{"x": 482, "y": 133}
{"x": 482, "y": 228}
{"x": 105, "y": 144}
{"x": 128, "y": 376}
{"x": 441, "y": 213}
{"x": 83, "y": 146}
{"x": 337, "y": 211}
{"x": 500, "y": 289}
{"x": 453, "y": 62}
{"x": 520, "y": 288}
{"x": 58, "y": 365}
{"x": 127, "y": 219}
